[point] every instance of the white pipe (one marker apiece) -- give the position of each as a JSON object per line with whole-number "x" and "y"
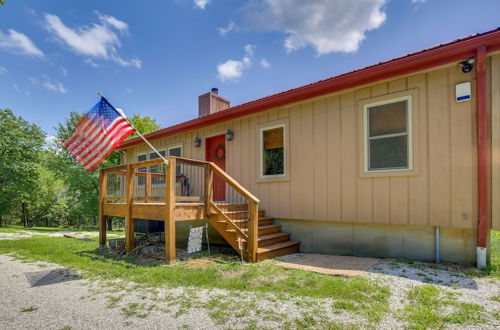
{"x": 438, "y": 245}
{"x": 481, "y": 257}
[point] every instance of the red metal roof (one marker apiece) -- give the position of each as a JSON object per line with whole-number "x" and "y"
{"x": 456, "y": 50}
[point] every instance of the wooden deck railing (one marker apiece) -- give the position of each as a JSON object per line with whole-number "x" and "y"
{"x": 179, "y": 182}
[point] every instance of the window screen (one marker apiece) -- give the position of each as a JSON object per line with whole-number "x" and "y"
{"x": 388, "y": 136}
{"x": 273, "y": 153}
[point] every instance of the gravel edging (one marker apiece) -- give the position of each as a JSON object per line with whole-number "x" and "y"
{"x": 84, "y": 304}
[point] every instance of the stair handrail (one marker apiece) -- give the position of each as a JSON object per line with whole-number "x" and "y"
{"x": 253, "y": 211}
{"x": 253, "y": 203}
{"x": 229, "y": 221}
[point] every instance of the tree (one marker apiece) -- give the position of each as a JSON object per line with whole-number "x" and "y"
{"x": 144, "y": 124}
{"x": 45, "y": 204}
{"x": 20, "y": 144}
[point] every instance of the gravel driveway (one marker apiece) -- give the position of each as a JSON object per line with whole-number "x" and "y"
{"x": 50, "y": 297}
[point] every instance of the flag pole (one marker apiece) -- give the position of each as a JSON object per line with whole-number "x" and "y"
{"x": 137, "y": 131}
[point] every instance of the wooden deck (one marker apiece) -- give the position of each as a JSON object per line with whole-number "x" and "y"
{"x": 182, "y": 190}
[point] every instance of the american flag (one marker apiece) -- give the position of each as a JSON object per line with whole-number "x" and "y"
{"x": 97, "y": 134}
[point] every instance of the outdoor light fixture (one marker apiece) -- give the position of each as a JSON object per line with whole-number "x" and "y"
{"x": 197, "y": 142}
{"x": 229, "y": 135}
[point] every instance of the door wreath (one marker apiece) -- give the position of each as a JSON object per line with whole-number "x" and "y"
{"x": 220, "y": 152}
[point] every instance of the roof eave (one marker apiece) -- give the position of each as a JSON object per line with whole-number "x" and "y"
{"x": 440, "y": 55}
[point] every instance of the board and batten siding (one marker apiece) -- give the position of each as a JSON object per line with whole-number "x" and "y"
{"x": 324, "y": 153}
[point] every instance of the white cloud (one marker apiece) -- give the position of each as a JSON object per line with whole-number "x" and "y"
{"x": 18, "y": 43}
{"x": 116, "y": 23}
{"x": 19, "y": 90}
{"x": 201, "y": 3}
{"x": 265, "y": 63}
{"x": 16, "y": 88}
{"x": 331, "y": 25}
{"x": 90, "y": 62}
{"x": 232, "y": 69}
{"x": 55, "y": 86}
{"x": 63, "y": 71}
{"x": 47, "y": 83}
{"x": 3, "y": 70}
{"x": 98, "y": 41}
{"x": 223, "y": 31}
{"x": 249, "y": 49}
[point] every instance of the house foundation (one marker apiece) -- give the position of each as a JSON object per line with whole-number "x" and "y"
{"x": 457, "y": 245}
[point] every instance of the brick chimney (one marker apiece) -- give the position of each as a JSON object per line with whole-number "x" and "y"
{"x": 211, "y": 102}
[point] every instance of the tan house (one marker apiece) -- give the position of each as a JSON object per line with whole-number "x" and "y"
{"x": 399, "y": 159}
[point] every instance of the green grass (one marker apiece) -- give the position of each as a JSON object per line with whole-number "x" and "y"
{"x": 494, "y": 268}
{"x": 430, "y": 307}
{"x": 227, "y": 273}
{"x": 16, "y": 229}
{"x": 29, "y": 309}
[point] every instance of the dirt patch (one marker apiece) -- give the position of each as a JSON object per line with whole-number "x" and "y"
{"x": 328, "y": 264}
{"x": 233, "y": 274}
{"x": 199, "y": 263}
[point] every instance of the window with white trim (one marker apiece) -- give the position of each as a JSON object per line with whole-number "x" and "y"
{"x": 387, "y": 128}
{"x": 176, "y": 152}
{"x": 272, "y": 151}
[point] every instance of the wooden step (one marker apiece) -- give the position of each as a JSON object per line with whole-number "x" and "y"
{"x": 262, "y": 221}
{"x": 269, "y": 229}
{"x": 235, "y": 215}
{"x": 277, "y": 250}
{"x": 263, "y": 230}
{"x": 270, "y": 239}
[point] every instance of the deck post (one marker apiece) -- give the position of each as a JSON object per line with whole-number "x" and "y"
{"x": 170, "y": 211}
{"x": 129, "y": 221}
{"x": 253, "y": 230}
{"x": 209, "y": 183}
{"x": 103, "y": 178}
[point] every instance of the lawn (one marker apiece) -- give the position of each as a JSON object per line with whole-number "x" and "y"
{"x": 364, "y": 296}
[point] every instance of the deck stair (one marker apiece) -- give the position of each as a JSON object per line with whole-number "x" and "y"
{"x": 272, "y": 242}
{"x": 185, "y": 189}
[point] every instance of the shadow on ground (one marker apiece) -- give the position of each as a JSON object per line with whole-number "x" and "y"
{"x": 50, "y": 276}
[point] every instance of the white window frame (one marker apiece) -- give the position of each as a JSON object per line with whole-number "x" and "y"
{"x": 409, "y": 130}
{"x": 261, "y": 151}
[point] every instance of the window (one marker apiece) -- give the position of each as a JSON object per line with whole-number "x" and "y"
{"x": 388, "y": 135}
{"x": 272, "y": 151}
{"x": 176, "y": 152}
{"x": 159, "y": 169}
{"x": 141, "y": 179}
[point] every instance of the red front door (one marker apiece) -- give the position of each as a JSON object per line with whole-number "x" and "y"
{"x": 215, "y": 150}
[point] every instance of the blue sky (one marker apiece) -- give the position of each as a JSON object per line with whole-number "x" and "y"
{"x": 155, "y": 57}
